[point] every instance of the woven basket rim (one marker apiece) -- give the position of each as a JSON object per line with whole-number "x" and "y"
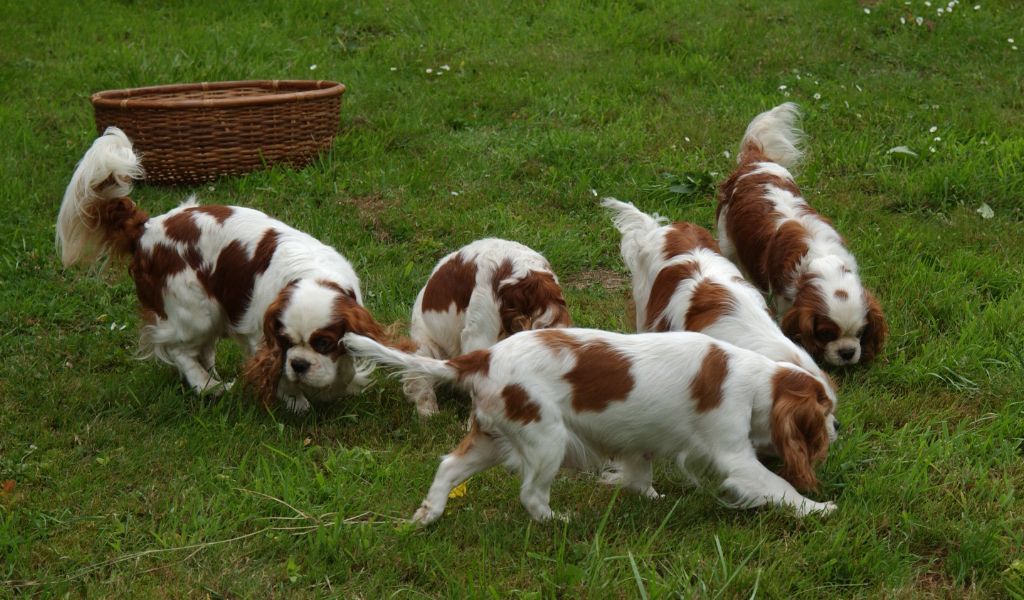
{"x": 285, "y": 90}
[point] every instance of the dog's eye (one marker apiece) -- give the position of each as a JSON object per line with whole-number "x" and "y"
{"x": 827, "y": 335}
{"x": 862, "y": 331}
{"x": 322, "y": 344}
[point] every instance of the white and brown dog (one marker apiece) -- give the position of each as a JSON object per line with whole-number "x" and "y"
{"x": 482, "y": 293}
{"x": 681, "y": 282}
{"x": 788, "y": 249}
{"x": 544, "y": 399}
{"x": 203, "y": 273}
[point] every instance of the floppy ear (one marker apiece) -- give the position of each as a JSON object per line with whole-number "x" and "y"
{"x": 798, "y": 325}
{"x": 357, "y": 319}
{"x": 262, "y": 372}
{"x": 875, "y": 332}
{"x": 799, "y": 429}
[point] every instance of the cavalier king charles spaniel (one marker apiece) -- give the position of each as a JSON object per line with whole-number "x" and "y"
{"x": 482, "y": 293}
{"x": 203, "y": 273}
{"x": 574, "y": 397}
{"x": 788, "y": 249}
{"x": 681, "y": 282}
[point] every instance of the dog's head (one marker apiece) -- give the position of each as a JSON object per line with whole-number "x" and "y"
{"x": 843, "y": 326}
{"x": 302, "y": 332}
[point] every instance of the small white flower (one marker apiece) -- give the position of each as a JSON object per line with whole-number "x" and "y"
{"x": 786, "y": 94}
{"x": 113, "y": 324}
{"x": 986, "y": 211}
{"x": 860, "y": 116}
{"x": 394, "y": 68}
{"x": 593, "y": 192}
{"x": 903, "y": 21}
{"x": 686, "y": 138}
{"x": 312, "y": 67}
{"x": 727, "y": 154}
{"x": 936, "y": 139}
{"x": 798, "y": 77}
{"x": 817, "y": 96}
{"x": 933, "y": 129}
{"x": 211, "y": 188}
{"x": 446, "y": 67}
{"x": 1013, "y": 47}
{"x": 940, "y": 11}
{"x": 927, "y": 3}
{"x": 919, "y": 20}
{"x": 782, "y": 88}
{"x": 859, "y": 89}
{"x": 1009, "y": 40}
{"x": 977, "y": 7}
{"x": 932, "y": 148}
{"x": 867, "y": 10}
{"x": 454, "y": 193}
{"x": 429, "y": 70}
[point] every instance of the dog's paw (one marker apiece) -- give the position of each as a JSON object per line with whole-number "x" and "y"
{"x": 297, "y": 404}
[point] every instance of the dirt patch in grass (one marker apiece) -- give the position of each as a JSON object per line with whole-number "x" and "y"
{"x": 370, "y": 208}
{"x": 606, "y": 278}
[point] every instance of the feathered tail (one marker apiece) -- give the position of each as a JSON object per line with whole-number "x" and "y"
{"x": 360, "y": 346}
{"x": 773, "y": 136}
{"x": 96, "y": 217}
{"x": 634, "y": 225}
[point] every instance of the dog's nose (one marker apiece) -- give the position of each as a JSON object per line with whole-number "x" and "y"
{"x": 847, "y": 353}
{"x": 299, "y": 366}
{"x": 835, "y": 423}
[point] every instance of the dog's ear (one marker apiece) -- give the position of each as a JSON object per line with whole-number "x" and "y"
{"x": 798, "y": 325}
{"x": 355, "y": 318}
{"x": 875, "y": 332}
{"x": 799, "y": 425}
{"x": 262, "y": 372}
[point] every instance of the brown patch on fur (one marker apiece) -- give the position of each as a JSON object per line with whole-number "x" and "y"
{"x": 798, "y": 423}
{"x": 518, "y": 406}
{"x": 327, "y": 283}
{"x": 875, "y": 332}
{"x": 472, "y": 363}
{"x": 503, "y": 272}
{"x": 233, "y": 276}
{"x": 522, "y": 302}
{"x": 122, "y": 223}
{"x": 683, "y": 237}
{"x": 220, "y": 213}
{"x": 262, "y": 371}
{"x": 601, "y": 376}
{"x": 150, "y": 270}
{"x": 558, "y": 340}
{"x": 710, "y": 302}
{"x": 453, "y": 282}
{"x": 842, "y": 295}
{"x": 785, "y": 250}
{"x": 181, "y": 227}
{"x": 806, "y": 322}
{"x": 665, "y": 285}
{"x": 469, "y": 441}
{"x": 706, "y": 387}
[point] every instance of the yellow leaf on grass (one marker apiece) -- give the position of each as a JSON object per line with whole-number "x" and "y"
{"x": 458, "y": 491}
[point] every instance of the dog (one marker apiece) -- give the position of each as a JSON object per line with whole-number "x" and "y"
{"x": 203, "y": 273}
{"x": 475, "y": 296}
{"x": 681, "y": 282}
{"x": 789, "y": 250}
{"x": 553, "y": 397}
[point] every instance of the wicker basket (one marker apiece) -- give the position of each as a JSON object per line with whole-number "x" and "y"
{"x": 199, "y": 131}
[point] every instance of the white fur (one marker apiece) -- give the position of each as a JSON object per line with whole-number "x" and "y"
{"x": 195, "y": 321}
{"x": 453, "y": 332}
{"x": 749, "y": 325}
{"x": 658, "y": 417}
{"x": 776, "y": 133}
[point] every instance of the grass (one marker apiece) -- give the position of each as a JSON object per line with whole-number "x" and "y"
{"x": 124, "y": 485}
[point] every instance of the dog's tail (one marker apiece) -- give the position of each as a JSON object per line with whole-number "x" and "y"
{"x": 360, "y": 346}
{"x": 634, "y": 225}
{"x": 773, "y": 136}
{"x": 97, "y": 218}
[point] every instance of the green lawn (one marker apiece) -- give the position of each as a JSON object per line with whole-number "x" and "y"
{"x": 125, "y": 485}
